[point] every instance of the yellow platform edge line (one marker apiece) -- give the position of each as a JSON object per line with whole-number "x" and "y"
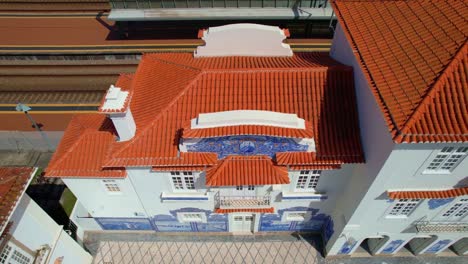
{"x": 52, "y": 105}
{"x": 49, "y": 112}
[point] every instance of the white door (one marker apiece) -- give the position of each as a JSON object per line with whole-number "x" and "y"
{"x": 242, "y": 223}
{"x": 243, "y": 190}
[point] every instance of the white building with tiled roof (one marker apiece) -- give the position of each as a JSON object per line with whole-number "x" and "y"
{"x": 27, "y": 234}
{"x": 409, "y": 60}
{"x": 216, "y": 143}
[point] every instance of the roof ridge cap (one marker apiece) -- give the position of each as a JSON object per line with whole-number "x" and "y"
{"x": 157, "y": 117}
{"x": 435, "y": 87}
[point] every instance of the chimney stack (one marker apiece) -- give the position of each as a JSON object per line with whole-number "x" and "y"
{"x": 116, "y": 105}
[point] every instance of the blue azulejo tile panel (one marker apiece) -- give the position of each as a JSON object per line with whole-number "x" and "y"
{"x": 436, "y": 203}
{"x": 170, "y": 223}
{"x": 392, "y": 246}
{"x": 438, "y": 246}
{"x": 327, "y": 230}
{"x": 124, "y": 223}
{"x": 347, "y": 247}
{"x": 246, "y": 145}
{"x": 317, "y": 222}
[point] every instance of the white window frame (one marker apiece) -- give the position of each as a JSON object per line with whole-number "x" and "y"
{"x": 402, "y": 208}
{"x": 10, "y": 250}
{"x": 292, "y": 216}
{"x": 182, "y": 217}
{"x": 457, "y": 211}
{"x": 185, "y": 177}
{"x": 307, "y": 180}
{"x": 111, "y": 186}
{"x": 446, "y": 160}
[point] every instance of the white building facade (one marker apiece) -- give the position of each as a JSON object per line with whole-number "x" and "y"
{"x": 411, "y": 192}
{"x": 29, "y": 235}
{"x": 216, "y": 143}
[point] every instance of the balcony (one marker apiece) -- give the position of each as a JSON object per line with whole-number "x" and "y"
{"x": 226, "y": 202}
{"x": 439, "y": 227}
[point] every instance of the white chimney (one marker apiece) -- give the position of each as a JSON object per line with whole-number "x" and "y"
{"x": 116, "y": 105}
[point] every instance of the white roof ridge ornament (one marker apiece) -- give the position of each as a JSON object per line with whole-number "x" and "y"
{"x": 252, "y": 40}
{"x": 247, "y": 117}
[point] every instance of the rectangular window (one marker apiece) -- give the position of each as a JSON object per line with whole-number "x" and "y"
{"x": 183, "y": 180}
{"x": 19, "y": 258}
{"x": 404, "y": 207}
{"x": 239, "y": 187}
{"x": 5, "y": 253}
{"x": 457, "y": 211}
{"x": 251, "y": 188}
{"x": 447, "y": 159}
{"x": 296, "y": 216}
{"x": 192, "y": 217}
{"x": 111, "y": 186}
{"x": 307, "y": 180}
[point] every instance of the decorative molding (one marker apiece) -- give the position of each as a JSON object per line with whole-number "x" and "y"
{"x": 247, "y": 145}
{"x": 303, "y": 196}
{"x": 184, "y": 196}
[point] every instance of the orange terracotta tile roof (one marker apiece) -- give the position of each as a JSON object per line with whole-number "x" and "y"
{"x": 124, "y": 82}
{"x": 87, "y": 143}
{"x": 414, "y": 56}
{"x": 314, "y": 167}
{"x": 312, "y": 158}
{"x": 249, "y": 130}
{"x": 441, "y": 194}
{"x": 13, "y": 183}
{"x": 270, "y": 210}
{"x": 246, "y": 170}
{"x": 171, "y": 89}
{"x": 179, "y": 168}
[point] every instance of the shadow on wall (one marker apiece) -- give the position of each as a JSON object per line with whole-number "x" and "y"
{"x": 142, "y": 30}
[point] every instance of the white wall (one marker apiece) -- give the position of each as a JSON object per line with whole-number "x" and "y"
{"x": 34, "y": 228}
{"x": 361, "y": 210}
{"x": 99, "y": 203}
{"x": 149, "y": 186}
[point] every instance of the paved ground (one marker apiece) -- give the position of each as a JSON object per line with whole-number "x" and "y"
{"x": 150, "y": 248}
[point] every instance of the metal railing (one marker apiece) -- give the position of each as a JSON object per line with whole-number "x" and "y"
{"x": 244, "y": 201}
{"x": 150, "y": 4}
{"x": 438, "y": 227}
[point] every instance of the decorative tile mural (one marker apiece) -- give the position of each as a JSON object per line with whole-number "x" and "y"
{"x": 170, "y": 223}
{"x": 347, "y": 247}
{"x": 272, "y": 222}
{"x": 246, "y": 145}
{"x": 438, "y": 246}
{"x": 436, "y": 203}
{"x": 124, "y": 223}
{"x": 392, "y": 246}
{"x": 327, "y": 230}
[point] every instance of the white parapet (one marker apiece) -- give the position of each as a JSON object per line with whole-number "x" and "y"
{"x": 247, "y": 117}
{"x": 244, "y": 40}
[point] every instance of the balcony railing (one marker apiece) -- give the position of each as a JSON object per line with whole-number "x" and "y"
{"x": 438, "y": 227}
{"x": 244, "y": 201}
